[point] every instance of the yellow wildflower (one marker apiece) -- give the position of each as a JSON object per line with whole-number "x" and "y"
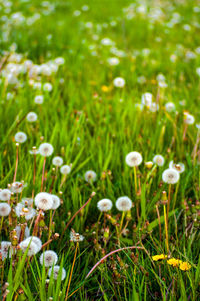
{"x": 174, "y": 262}
{"x": 159, "y": 257}
{"x": 105, "y": 88}
{"x": 185, "y": 266}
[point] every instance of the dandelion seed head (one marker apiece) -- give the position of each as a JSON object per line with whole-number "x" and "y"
{"x": 57, "y": 161}
{"x": 39, "y": 99}
{"x": 5, "y": 195}
{"x": 188, "y": 118}
{"x": 17, "y": 187}
{"x": 159, "y": 160}
{"x": 180, "y": 167}
{"x": 119, "y": 82}
{"x": 44, "y": 200}
{"x": 65, "y": 169}
{"x": 76, "y": 237}
{"x": 48, "y": 258}
{"x": 20, "y": 137}
{"x": 170, "y": 176}
{"x": 36, "y": 241}
{"x": 32, "y": 247}
{"x": 56, "y": 201}
{"x": 4, "y": 209}
{"x": 104, "y": 205}
{"x": 56, "y": 269}
{"x": 46, "y": 149}
{"x": 133, "y": 159}
{"x": 47, "y": 87}
{"x": 31, "y": 117}
{"x": 170, "y": 107}
{"x": 113, "y": 61}
{"x": 123, "y": 203}
{"x": 147, "y": 99}
{"x": 90, "y": 176}
{"x": 5, "y": 248}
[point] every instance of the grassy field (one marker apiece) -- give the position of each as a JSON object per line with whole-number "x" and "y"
{"x": 98, "y": 80}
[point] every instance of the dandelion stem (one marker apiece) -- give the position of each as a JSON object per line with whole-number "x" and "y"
{"x": 166, "y": 229}
{"x": 71, "y": 272}
{"x": 159, "y": 223}
{"x": 16, "y": 164}
{"x": 34, "y": 174}
{"x": 168, "y": 202}
{"x": 121, "y": 224}
{"x": 43, "y": 172}
{"x": 135, "y": 178}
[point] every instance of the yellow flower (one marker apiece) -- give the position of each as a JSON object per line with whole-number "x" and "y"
{"x": 185, "y": 266}
{"x": 174, "y": 262}
{"x": 159, "y": 257}
{"x": 105, "y": 88}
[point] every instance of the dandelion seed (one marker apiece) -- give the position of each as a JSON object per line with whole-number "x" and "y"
{"x": 59, "y": 61}
{"x": 123, "y": 203}
{"x": 31, "y": 117}
{"x": 76, "y": 237}
{"x": 4, "y": 209}
{"x": 159, "y": 160}
{"x": 65, "y": 169}
{"x": 48, "y": 258}
{"x": 55, "y": 272}
{"x": 56, "y": 201}
{"x": 39, "y": 99}
{"x": 32, "y": 248}
{"x": 36, "y": 241}
{"x": 133, "y": 159}
{"x": 90, "y": 176}
{"x": 170, "y": 176}
{"x": 5, "y": 195}
{"x": 20, "y": 137}
{"x": 104, "y": 205}
{"x": 119, "y": 82}
{"x": 46, "y": 149}
{"x": 57, "y": 161}
{"x": 180, "y": 167}
{"x": 159, "y": 257}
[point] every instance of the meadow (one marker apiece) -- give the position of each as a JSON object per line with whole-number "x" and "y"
{"x": 100, "y": 150}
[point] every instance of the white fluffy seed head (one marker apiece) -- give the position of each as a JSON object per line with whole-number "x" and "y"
{"x": 113, "y": 61}
{"x": 188, "y": 118}
{"x": 170, "y": 107}
{"x": 65, "y": 169}
{"x": 123, "y": 203}
{"x": 28, "y": 212}
{"x": 20, "y": 137}
{"x": 56, "y": 201}
{"x": 55, "y": 272}
{"x": 119, "y": 82}
{"x": 44, "y": 200}
{"x": 5, "y": 195}
{"x": 47, "y": 87}
{"x": 5, "y": 248}
{"x": 31, "y": 117}
{"x": 170, "y": 176}
{"x": 76, "y": 237}
{"x": 180, "y": 167}
{"x": 39, "y": 99}
{"x": 147, "y": 99}
{"x": 48, "y": 258}
{"x": 133, "y": 159}
{"x": 32, "y": 248}
{"x": 104, "y": 205}
{"x": 17, "y": 187}
{"x": 90, "y": 176}
{"x": 36, "y": 241}
{"x": 46, "y": 149}
{"x": 159, "y": 160}
{"x": 4, "y": 209}
{"x": 57, "y": 161}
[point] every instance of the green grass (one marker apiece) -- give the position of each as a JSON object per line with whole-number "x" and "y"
{"x": 94, "y": 125}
